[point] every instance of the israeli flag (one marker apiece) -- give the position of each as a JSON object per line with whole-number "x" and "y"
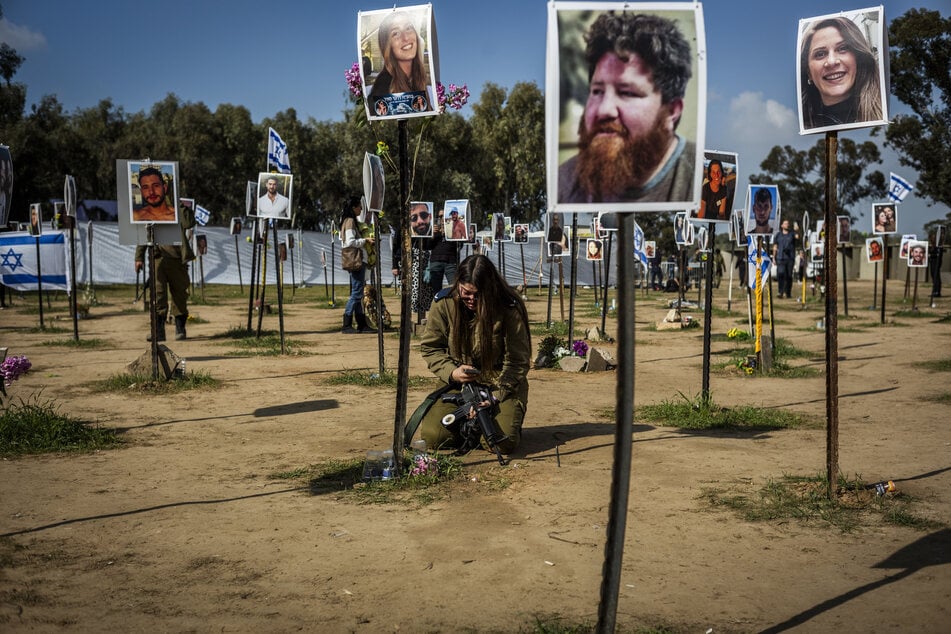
{"x": 639, "y": 244}
{"x": 277, "y": 152}
{"x": 202, "y": 215}
{"x": 18, "y": 261}
{"x": 765, "y": 263}
{"x": 898, "y": 187}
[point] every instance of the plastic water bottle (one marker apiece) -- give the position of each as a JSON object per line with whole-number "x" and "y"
{"x": 418, "y": 448}
{"x": 389, "y": 465}
{"x": 373, "y": 468}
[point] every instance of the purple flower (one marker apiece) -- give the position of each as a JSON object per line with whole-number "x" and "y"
{"x": 580, "y": 348}
{"x": 354, "y": 83}
{"x": 454, "y": 97}
{"x": 14, "y": 367}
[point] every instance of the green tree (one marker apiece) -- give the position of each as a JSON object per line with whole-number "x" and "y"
{"x": 920, "y": 52}
{"x": 800, "y": 176}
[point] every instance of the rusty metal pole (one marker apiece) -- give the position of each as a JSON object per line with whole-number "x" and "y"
{"x": 831, "y": 323}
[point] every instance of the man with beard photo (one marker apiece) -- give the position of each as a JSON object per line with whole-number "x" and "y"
{"x": 638, "y": 68}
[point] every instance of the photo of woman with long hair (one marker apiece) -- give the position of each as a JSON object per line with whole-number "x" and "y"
{"x": 839, "y": 73}
{"x": 404, "y": 65}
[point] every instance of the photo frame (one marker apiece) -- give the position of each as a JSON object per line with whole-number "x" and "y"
{"x": 844, "y": 224}
{"x": 874, "y": 250}
{"x": 718, "y": 187}
{"x": 917, "y": 254}
{"x": 235, "y": 226}
{"x": 884, "y": 218}
{"x": 275, "y": 193}
{"x": 556, "y": 234}
{"x": 593, "y": 250}
{"x": 905, "y": 243}
{"x": 153, "y": 192}
{"x": 456, "y": 220}
{"x": 576, "y": 180}
{"x": 841, "y": 71}
{"x": 762, "y": 209}
{"x": 520, "y": 233}
{"x": 681, "y": 228}
{"x": 421, "y": 219}
{"x": 6, "y": 185}
{"x": 391, "y": 89}
{"x": 35, "y": 226}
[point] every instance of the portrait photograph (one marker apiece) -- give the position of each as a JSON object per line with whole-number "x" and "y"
{"x": 917, "y": 254}
{"x": 593, "y": 249}
{"x": 399, "y": 62}
{"x": 472, "y": 233}
{"x": 497, "y": 222}
{"x": 874, "y": 250}
{"x": 201, "y": 244}
{"x": 456, "y": 220}
{"x": 235, "y": 228}
{"x": 602, "y": 147}
{"x": 520, "y": 233}
{"x": 556, "y": 235}
{"x": 845, "y": 229}
{"x": 739, "y": 228}
{"x": 421, "y": 219}
{"x": 718, "y": 188}
{"x": 59, "y": 215}
{"x": 818, "y": 249}
{"x": 35, "y": 226}
{"x": 884, "y": 218}
{"x": 650, "y": 249}
{"x": 681, "y": 228}
{"x": 906, "y": 241}
{"x": 762, "y": 205}
{"x": 153, "y": 192}
{"x": 487, "y": 242}
{"x": 274, "y": 194}
{"x": 841, "y": 61}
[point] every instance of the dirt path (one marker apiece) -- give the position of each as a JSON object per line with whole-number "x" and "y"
{"x": 182, "y": 529}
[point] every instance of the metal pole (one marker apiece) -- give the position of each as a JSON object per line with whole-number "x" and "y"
{"x": 607, "y": 280}
{"x": 39, "y": 281}
{"x": 831, "y": 323}
{"x": 884, "y": 273}
{"x": 279, "y": 276}
{"x": 623, "y": 431}
{"x": 574, "y": 278}
{"x": 252, "y": 280}
{"x": 74, "y": 303}
{"x": 237, "y": 259}
{"x": 402, "y": 372}
{"x": 708, "y": 317}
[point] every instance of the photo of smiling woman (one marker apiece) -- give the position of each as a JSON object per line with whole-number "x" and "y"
{"x": 398, "y": 53}
{"x": 841, "y": 71}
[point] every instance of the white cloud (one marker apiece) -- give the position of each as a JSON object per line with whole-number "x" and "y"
{"x": 750, "y": 110}
{"x": 21, "y": 38}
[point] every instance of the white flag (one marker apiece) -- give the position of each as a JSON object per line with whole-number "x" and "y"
{"x": 898, "y": 187}
{"x": 277, "y": 152}
{"x": 639, "y": 252}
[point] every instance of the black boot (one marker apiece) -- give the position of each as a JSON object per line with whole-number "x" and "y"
{"x": 160, "y": 331}
{"x": 348, "y": 325}
{"x": 180, "y": 327}
{"x": 362, "y": 325}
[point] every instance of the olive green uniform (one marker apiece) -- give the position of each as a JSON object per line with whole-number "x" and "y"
{"x": 513, "y": 341}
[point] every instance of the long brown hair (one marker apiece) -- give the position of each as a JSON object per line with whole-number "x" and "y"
{"x": 495, "y": 298}
{"x": 401, "y": 82}
{"x": 866, "y": 98}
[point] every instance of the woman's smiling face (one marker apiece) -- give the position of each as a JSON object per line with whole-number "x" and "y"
{"x": 403, "y": 41}
{"x": 831, "y": 65}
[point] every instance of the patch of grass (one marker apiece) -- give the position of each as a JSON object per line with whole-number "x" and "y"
{"x": 700, "y": 413}
{"x": 944, "y": 397}
{"x": 944, "y": 319}
{"x": 938, "y": 365}
{"x": 557, "y": 328}
{"x": 35, "y": 426}
{"x": 124, "y": 382}
{"x": 74, "y": 343}
{"x": 804, "y": 499}
{"x": 372, "y": 378}
{"x": 345, "y": 479}
{"x": 50, "y": 330}
{"x": 268, "y": 344}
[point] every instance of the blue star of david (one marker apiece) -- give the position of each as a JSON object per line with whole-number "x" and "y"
{"x": 17, "y": 259}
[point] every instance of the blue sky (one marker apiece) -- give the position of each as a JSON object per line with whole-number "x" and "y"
{"x": 270, "y": 57}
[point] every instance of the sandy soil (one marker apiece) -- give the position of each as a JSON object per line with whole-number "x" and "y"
{"x": 182, "y": 529}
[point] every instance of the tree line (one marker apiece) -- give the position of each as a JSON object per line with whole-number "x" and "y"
{"x": 495, "y": 157}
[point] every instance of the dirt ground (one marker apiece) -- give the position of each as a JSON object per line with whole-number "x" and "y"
{"x": 182, "y": 529}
